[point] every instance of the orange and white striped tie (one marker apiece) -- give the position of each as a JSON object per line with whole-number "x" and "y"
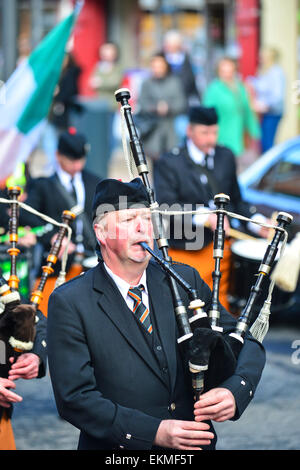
{"x": 140, "y": 309}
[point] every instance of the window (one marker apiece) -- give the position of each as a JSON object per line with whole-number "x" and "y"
{"x": 283, "y": 177}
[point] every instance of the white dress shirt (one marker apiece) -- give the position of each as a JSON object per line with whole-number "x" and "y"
{"x": 124, "y": 287}
{"x": 65, "y": 179}
{"x": 198, "y": 157}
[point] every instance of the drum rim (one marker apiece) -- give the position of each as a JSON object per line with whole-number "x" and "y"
{"x": 251, "y": 256}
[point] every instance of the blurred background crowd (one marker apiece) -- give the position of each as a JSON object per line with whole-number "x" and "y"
{"x": 240, "y": 57}
{"x": 245, "y": 43}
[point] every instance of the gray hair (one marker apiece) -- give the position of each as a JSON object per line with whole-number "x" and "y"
{"x": 100, "y": 219}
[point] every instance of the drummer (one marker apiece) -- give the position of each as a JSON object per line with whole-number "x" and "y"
{"x": 192, "y": 175}
{"x": 71, "y": 185}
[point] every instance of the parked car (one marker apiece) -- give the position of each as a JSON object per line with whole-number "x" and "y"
{"x": 272, "y": 182}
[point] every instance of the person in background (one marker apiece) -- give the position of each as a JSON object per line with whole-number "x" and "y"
{"x": 107, "y": 75}
{"x": 180, "y": 63}
{"x": 229, "y": 96}
{"x": 105, "y": 79}
{"x": 64, "y": 102}
{"x": 71, "y": 185}
{"x": 161, "y": 98}
{"x": 269, "y": 95}
{"x": 192, "y": 175}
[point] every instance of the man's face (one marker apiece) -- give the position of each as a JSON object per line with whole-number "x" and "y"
{"x": 204, "y": 137}
{"x": 70, "y": 166}
{"x": 159, "y": 67}
{"x": 121, "y": 232}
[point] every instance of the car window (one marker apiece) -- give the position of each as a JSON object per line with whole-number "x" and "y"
{"x": 282, "y": 178}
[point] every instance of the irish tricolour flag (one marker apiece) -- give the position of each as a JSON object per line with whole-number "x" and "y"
{"x": 28, "y": 96}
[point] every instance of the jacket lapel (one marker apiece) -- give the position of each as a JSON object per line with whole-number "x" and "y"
{"x": 112, "y": 304}
{"x": 161, "y": 299}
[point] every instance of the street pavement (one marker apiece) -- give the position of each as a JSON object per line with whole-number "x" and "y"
{"x": 271, "y": 422}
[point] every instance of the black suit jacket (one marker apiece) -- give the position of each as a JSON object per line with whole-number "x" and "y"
{"x": 177, "y": 180}
{"x": 45, "y": 197}
{"x": 107, "y": 381}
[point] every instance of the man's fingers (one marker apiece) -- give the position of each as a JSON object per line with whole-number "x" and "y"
{"x": 195, "y": 434}
{"x": 222, "y": 418}
{"x": 209, "y": 410}
{"x": 195, "y": 442}
{"x": 10, "y": 396}
{"x": 5, "y": 404}
{"x": 21, "y": 362}
{"x": 191, "y": 425}
{"x": 194, "y": 438}
{"x": 208, "y": 400}
{"x": 6, "y": 383}
{"x": 216, "y": 413}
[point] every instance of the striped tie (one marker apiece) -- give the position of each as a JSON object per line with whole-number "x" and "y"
{"x": 139, "y": 309}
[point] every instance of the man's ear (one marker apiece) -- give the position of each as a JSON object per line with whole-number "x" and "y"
{"x": 100, "y": 233}
{"x": 188, "y": 131}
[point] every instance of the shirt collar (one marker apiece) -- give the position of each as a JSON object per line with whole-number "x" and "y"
{"x": 196, "y": 154}
{"x": 122, "y": 285}
{"x": 65, "y": 177}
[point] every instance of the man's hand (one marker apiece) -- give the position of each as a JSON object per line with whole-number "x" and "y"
{"x": 212, "y": 223}
{"x": 218, "y": 405}
{"x": 6, "y": 396}
{"x": 71, "y": 247}
{"x": 25, "y": 367}
{"x": 183, "y": 435}
{"x": 28, "y": 239}
{"x": 162, "y": 108}
{"x": 265, "y": 232}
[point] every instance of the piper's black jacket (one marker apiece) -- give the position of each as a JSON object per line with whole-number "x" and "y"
{"x": 177, "y": 180}
{"x": 108, "y": 380}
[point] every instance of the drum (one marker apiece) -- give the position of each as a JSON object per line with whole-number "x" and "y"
{"x": 247, "y": 256}
{"x": 23, "y": 268}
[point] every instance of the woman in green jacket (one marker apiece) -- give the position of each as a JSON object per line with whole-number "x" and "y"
{"x": 228, "y": 95}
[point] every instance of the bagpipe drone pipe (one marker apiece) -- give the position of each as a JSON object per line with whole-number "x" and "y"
{"x": 211, "y": 353}
{"x": 18, "y": 316}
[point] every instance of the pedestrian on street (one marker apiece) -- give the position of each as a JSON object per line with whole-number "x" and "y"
{"x": 229, "y": 96}
{"x": 161, "y": 98}
{"x": 269, "y": 89}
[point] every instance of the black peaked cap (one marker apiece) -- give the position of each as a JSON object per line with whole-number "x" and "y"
{"x": 112, "y": 194}
{"x": 203, "y": 115}
{"x": 73, "y": 144}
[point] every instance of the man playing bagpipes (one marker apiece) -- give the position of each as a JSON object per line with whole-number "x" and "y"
{"x": 191, "y": 175}
{"x": 117, "y": 371}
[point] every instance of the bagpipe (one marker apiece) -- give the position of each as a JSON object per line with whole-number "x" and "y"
{"x": 18, "y": 317}
{"x": 211, "y": 353}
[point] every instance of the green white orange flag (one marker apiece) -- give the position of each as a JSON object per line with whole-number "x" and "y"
{"x": 28, "y": 95}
